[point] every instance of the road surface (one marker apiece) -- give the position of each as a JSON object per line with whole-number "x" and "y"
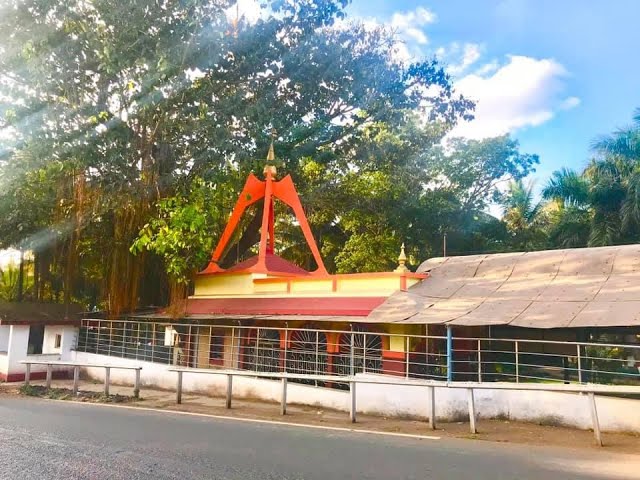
{"x": 41, "y": 439}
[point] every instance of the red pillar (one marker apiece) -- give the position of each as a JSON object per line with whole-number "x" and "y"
{"x": 394, "y": 363}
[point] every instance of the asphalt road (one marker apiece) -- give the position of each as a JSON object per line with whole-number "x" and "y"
{"x": 41, "y": 439}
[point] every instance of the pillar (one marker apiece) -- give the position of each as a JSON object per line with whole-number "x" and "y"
{"x": 395, "y": 352}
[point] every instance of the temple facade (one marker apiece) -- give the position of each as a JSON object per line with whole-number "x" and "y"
{"x": 286, "y": 302}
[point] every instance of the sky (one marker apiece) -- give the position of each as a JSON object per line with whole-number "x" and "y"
{"x": 553, "y": 73}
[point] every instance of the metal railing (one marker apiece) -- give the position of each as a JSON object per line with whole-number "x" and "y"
{"x": 352, "y": 381}
{"x": 76, "y": 373}
{"x": 308, "y": 351}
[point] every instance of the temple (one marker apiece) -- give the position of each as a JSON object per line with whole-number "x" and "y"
{"x": 268, "y": 291}
{"x": 491, "y": 316}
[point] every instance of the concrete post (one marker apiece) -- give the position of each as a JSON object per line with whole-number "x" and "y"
{"x": 352, "y": 406}
{"x": 472, "y": 411}
{"x": 76, "y": 378}
{"x": 432, "y": 407}
{"x": 594, "y": 418}
{"x": 27, "y": 374}
{"x": 179, "y": 388}
{"x": 283, "y": 398}
{"x": 107, "y": 375}
{"x": 136, "y": 387}
{"x": 229, "y": 390}
{"x": 48, "y": 377}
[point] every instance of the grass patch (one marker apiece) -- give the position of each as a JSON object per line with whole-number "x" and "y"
{"x": 67, "y": 394}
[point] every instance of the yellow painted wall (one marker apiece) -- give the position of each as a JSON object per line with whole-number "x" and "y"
{"x": 270, "y": 287}
{"x": 203, "y": 348}
{"x": 230, "y": 285}
{"x": 210, "y": 285}
{"x": 308, "y": 286}
{"x": 372, "y": 285}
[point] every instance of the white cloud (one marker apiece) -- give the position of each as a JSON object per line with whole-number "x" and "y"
{"x": 411, "y": 24}
{"x": 569, "y": 103}
{"x": 524, "y": 92}
{"x": 467, "y": 55}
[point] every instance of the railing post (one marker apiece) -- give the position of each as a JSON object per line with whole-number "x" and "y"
{"x": 76, "y": 378}
{"x": 233, "y": 344}
{"x": 432, "y": 407}
{"x": 449, "y": 354}
{"x": 472, "y": 411}
{"x": 229, "y": 390}
{"x": 98, "y": 337}
{"x": 283, "y": 397}
{"x": 317, "y": 354}
{"x": 257, "y": 354}
{"x": 286, "y": 347}
{"x": 352, "y": 406}
{"x": 27, "y": 374}
{"x": 406, "y": 357}
{"x": 517, "y": 363}
{"x": 136, "y": 387}
{"x": 352, "y": 371}
{"x": 48, "y": 376}
{"x": 364, "y": 352}
{"x": 594, "y": 418}
{"x": 153, "y": 340}
{"x": 579, "y": 364}
{"x": 110, "y": 338}
{"x": 479, "y": 361}
{"x": 179, "y": 388}
{"x": 107, "y": 375}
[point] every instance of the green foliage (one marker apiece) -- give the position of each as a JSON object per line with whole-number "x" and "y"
{"x": 523, "y": 217}
{"x": 475, "y": 169}
{"x": 182, "y": 231}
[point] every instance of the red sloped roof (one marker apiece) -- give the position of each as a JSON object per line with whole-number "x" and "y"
{"x": 274, "y": 263}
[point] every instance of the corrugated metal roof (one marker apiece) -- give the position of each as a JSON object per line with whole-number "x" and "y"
{"x": 548, "y": 289}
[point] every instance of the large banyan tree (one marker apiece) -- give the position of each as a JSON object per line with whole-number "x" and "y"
{"x": 135, "y": 123}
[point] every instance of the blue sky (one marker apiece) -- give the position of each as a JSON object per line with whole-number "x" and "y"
{"x": 555, "y": 74}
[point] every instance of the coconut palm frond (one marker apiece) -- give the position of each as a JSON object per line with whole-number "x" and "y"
{"x": 567, "y": 186}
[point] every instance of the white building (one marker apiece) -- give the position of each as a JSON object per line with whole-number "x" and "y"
{"x": 35, "y": 331}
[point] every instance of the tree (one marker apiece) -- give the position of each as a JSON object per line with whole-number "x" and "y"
{"x": 476, "y": 169}
{"x": 523, "y": 217}
{"x": 570, "y": 216}
{"x": 115, "y": 112}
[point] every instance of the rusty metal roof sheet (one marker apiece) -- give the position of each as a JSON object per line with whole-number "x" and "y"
{"x": 547, "y": 289}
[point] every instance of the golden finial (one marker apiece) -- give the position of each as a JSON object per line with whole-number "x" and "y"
{"x": 271, "y": 155}
{"x": 402, "y": 260}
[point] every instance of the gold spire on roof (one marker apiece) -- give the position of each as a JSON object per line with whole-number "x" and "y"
{"x": 271, "y": 155}
{"x": 402, "y": 260}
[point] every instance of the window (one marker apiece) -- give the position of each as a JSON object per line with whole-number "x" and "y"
{"x": 57, "y": 341}
{"x": 36, "y": 337}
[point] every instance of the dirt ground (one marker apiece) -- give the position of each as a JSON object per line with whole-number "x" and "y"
{"x": 488, "y": 430}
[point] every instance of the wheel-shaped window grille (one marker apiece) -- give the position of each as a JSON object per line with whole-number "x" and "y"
{"x": 307, "y": 353}
{"x": 366, "y": 355}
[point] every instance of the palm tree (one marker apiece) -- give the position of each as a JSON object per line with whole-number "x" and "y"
{"x": 523, "y": 217}
{"x": 570, "y": 220}
{"x": 623, "y": 143}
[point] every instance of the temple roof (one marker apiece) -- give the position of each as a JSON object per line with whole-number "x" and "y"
{"x": 274, "y": 265}
{"x": 586, "y": 287}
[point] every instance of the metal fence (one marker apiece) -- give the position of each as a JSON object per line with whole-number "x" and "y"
{"x": 347, "y": 352}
